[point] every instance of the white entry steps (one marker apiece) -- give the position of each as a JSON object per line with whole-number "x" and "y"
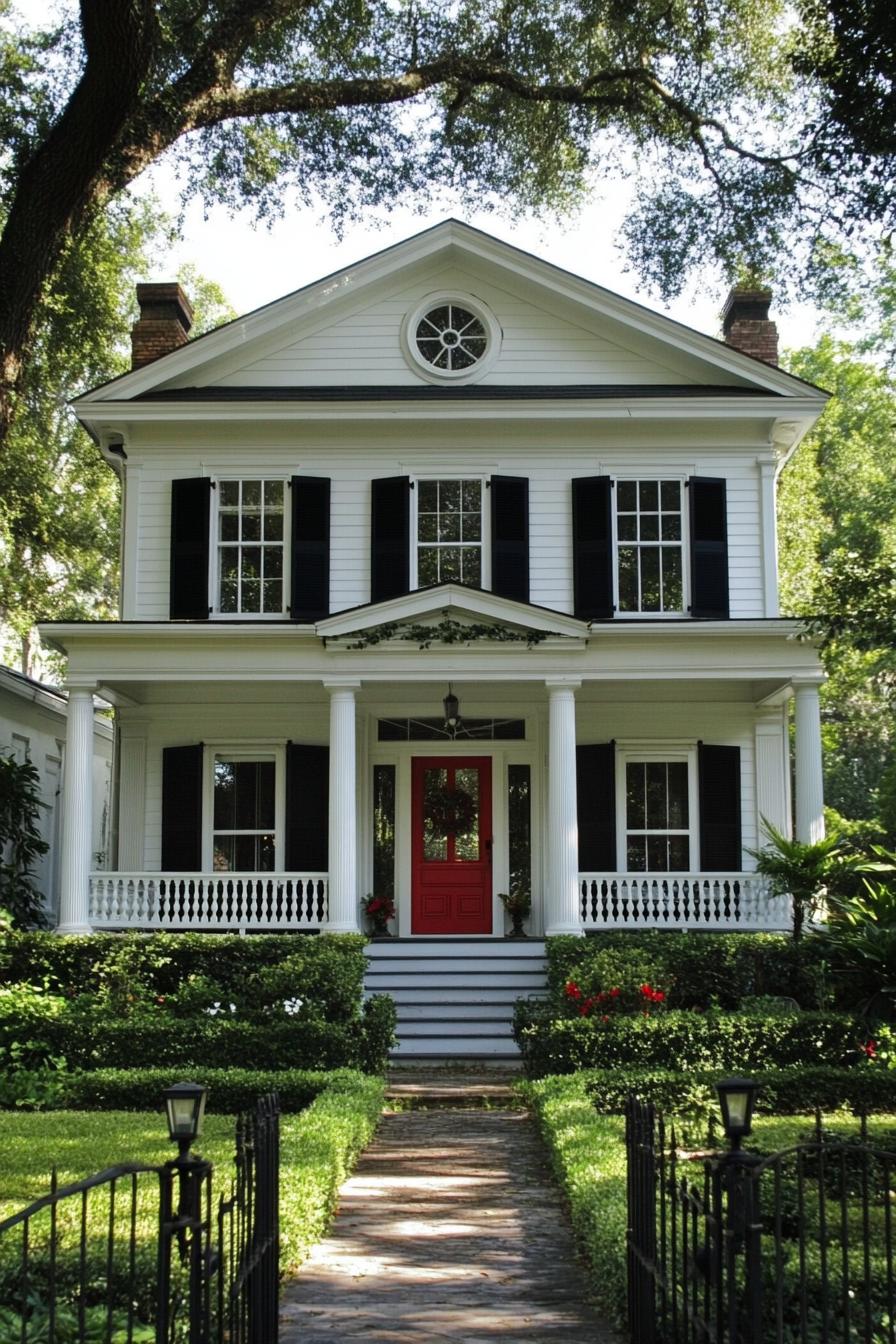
{"x": 455, "y": 996}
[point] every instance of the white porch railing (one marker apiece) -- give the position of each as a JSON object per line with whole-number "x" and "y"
{"x": 199, "y": 901}
{"x": 680, "y": 901}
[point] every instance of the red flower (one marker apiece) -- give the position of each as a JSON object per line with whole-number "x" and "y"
{"x": 870, "y": 1049}
{"x": 614, "y": 993}
{"x": 571, "y": 990}
{"x": 160, "y": 998}
{"x": 605, "y": 1018}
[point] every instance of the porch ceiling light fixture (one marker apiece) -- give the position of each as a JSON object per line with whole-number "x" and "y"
{"x": 737, "y": 1097}
{"x": 451, "y": 706}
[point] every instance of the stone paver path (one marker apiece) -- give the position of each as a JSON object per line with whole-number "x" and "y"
{"x": 450, "y": 1229}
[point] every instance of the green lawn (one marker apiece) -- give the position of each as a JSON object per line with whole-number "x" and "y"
{"x": 319, "y": 1147}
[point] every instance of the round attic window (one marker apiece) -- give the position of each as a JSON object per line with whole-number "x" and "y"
{"x": 451, "y": 338}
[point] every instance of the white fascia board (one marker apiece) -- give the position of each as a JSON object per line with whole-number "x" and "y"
{"x": 801, "y": 412}
{"x": 454, "y": 599}
{"x": 65, "y": 636}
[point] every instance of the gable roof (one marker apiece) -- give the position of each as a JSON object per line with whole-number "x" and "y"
{"x": 179, "y": 375}
{"x": 455, "y": 603}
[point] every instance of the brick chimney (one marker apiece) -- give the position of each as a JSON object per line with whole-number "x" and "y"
{"x": 746, "y": 325}
{"x": 166, "y": 316}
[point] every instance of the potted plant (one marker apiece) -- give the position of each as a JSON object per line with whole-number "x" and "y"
{"x": 518, "y": 904}
{"x": 379, "y": 910}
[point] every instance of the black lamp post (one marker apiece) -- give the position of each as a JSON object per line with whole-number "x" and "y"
{"x": 737, "y": 1097}
{"x": 451, "y": 706}
{"x": 185, "y": 1108}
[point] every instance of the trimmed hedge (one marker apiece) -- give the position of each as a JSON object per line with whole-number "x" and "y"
{"x": 784, "y": 1091}
{"x": 682, "y": 1041}
{"x": 230, "y": 1091}
{"x": 695, "y": 970}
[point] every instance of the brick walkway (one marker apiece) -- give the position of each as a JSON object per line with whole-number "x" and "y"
{"x": 450, "y": 1229}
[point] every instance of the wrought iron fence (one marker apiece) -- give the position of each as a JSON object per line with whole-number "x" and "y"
{"x": 795, "y": 1247}
{"x": 141, "y": 1254}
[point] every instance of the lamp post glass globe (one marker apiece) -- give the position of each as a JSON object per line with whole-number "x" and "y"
{"x": 185, "y": 1107}
{"x": 737, "y": 1097}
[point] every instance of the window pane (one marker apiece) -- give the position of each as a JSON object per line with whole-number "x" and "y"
{"x": 251, "y": 494}
{"x": 273, "y": 527}
{"x": 472, "y": 496}
{"x": 250, "y": 596}
{"x": 449, "y": 527}
{"x": 628, "y": 579}
{"x": 251, "y": 562}
{"x": 427, "y": 567}
{"x": 648, "y": 495}
{"x": 466, "y": 843}
{"x": 671, "y": 527}
{"x": 472, "y": 566}
{"x": 672, "y": 588}
{"x": 230, "y": 494}
{"x": 273, "y": 495}
{"x": 229, "y": 563}
{"x": 435, "y": 847}
{"x": 229, "y": 526}
{"x": 650, "y": 527}
{"x": 273, "y": 562}
{"x": 670, "y": 494}
{"x": 428, "y": 498}
{"x": 449, "y": 496}
{"x": 678, "y": 793}
{"x": 251, "y": 526}
{"x": 449, "y": 564}
{"x": 222, "y": 854}
{"x": 519, "y": 824}
{"x": 253, "y": 807}
{"x": 655, "y": 789}
{"x": 427, "y": 527}
{"x": 634, "y": 795}
{"x": 225, "y": 787}
{"x": 472, "y": 526}
{"x": 636, "y": 854}
{"x": 462, "y": 356}
{"x": 384, "y": 830}
{"x": 627, "y": 527}
{"x": 650, "y": 579}
{"x": 627, "y": 496}
{"x": 657, "y": 854}
{"x": 679, "y": 854}
{"x": 229, "y": 596}
{"x": 273, "y": 596}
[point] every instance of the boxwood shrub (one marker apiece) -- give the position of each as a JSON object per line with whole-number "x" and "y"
{"x": 694, "y": 969}
{"x": 230, "y": 1091}
{"x": 682, "y": 1041}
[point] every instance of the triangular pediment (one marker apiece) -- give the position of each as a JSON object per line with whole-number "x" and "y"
{"x": 341, "y": 337}
{"x": 449, "y": 614}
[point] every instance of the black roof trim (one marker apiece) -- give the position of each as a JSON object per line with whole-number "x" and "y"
{"x": 476, "y": 392}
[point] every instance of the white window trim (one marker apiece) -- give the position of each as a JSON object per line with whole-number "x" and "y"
{"x": 214, "y": 568}
{"x": 658, "y": 475}
{"x": 424, "y": 369}
{"x": 242, "y": 752}
{"x": 485, "y": 577}
{"x": 665, "y": 753}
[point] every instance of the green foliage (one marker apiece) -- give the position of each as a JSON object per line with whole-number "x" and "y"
{"x": 802, "y": 870}
{"x": 21, "y": 843}
{"x": 190, "y": 1000}
{"x": 696, "y": 970}
{"x": 230, "y": 1090}
{"x": 860, "y": 940}
{"x": 734, "y": 1042}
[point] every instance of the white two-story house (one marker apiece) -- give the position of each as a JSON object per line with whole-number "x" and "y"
{"x": 449, "y": 574}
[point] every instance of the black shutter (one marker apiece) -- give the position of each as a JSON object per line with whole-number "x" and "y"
{"x": 307, "y": 808}
{"x": 190, "y": 513}
{"x": 709, "y": 547}
{"x": 592, "y": 547}
{"x": 182, "y": 809}
{"x": 310, "y": 595}
{"x": 720, "y": 838}
{"x": 510, "y": 537}
{"x": 596, "y": 794}
{"x": 390, "y": 537}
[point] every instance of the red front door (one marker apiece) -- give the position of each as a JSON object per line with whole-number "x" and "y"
{"x": 451, "y": 852}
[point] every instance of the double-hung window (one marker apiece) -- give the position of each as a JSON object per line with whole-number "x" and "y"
{"x": 244, "y": 812}
{"x": 449, "y": 540}
{"x": 650, "y": 570}
{"x": 656, "y": 813}
{"x": 250, "y": 547}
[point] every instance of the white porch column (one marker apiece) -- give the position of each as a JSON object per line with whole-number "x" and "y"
{"x": 343, "y": 809}
{"x": 77, "y": 814}
{"x": 562, "y": 888}
{"x": 809, "y": 779}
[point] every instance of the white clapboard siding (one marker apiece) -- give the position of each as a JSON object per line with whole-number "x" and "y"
{"x": 549, "y": 458}
{"x": 536, "y": 346}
